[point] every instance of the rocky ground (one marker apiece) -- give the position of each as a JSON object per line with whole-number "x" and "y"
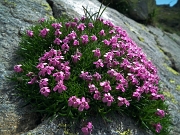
{"x": 15, "y": 15}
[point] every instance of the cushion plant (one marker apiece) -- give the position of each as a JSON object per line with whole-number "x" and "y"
{"x": 77, "y": 68}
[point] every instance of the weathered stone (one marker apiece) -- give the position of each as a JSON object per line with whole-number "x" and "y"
{"x": 141, "y": 9}
{"x": 162, "y": 48}
{"x": 177, "y": 5}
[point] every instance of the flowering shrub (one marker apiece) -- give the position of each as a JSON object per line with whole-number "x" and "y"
{"x": 82, "y": 67}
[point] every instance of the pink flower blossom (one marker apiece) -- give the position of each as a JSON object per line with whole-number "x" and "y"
{"x": 17, "y": 68}
{"x": 47, "y": 69}
{"x": 92, "y": 88}
{"x": 85, "y": 39}
{"x": 57, "y": 41}
{"x": 137, "y": 95}
{"x": 106, "y": 42}
{"x": 76, "y": 19}
{"x": 81, "y": 27}
{"x": 30, "y": 33}
{"x": 93, "y": 38}
{"x": 99, "y": 63}
{"x": 43, "y": 82}
{"x": 65, "y": 47}
{"x": 158, "y": 127}
{"x": 97, "y": 95}
{"x": 97, "y": 76}
{"x": 106, "y": 86}
{"x": 87, "y": 129}
{"x": 160, "y": 113}
{"x": 122, "y": 101}
{"x": 72, "y": 35}
{"x": 45, "y": 91}
{"x": 90, "y": 25}
{"x": 102, "y": 33}
{"x": 73, "y": 24}
{"x": 60, "y": 87}
{"x": 74, "y": 101}
{"x": 108, "y": 99}
{"x": 120, "y": 86}
{"x": 75, "y": 42}
{"x": 97, "y": 52}
{"x": 44, "y": 32}
{"x": 59, "y": 76}
{"x": 56, "y": 25}
{"x": 76, "y": 57}
{"x": 83, "y": 105}
{"x": 57, "y": 32}
{"x": 33, "y": 80}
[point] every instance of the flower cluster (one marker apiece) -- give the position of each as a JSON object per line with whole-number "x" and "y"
{"x": 118, "y": 73}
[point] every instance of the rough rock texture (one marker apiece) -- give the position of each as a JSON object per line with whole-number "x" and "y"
{"x": 140, "y": 9}
{"x": 16, "y": 15}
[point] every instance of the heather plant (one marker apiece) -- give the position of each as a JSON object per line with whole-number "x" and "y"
{"x": 82, "y": 67}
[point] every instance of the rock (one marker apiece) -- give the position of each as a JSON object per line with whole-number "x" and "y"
{"x": 141, "y": 9}
{"x": 177, "y": 5}
{"x": 161, "y": 47}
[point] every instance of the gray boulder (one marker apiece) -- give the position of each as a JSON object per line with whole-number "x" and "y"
{"x": 141, "y": 9}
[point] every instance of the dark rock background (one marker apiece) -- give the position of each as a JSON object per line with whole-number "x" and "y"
{"x": 161, "y": 47}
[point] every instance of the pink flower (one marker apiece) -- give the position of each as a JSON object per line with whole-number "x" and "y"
{"x": 29, "y": 33}
{"x": 81, "y": 27}
{"x": 44, "y": 32}
{"x": 99, "y": 63}
{"x": 72, "y": 35}
{"x": 83, "y": 105}
{"x": 57, "y": 41}
{"x": 160, "y": 113}
{"x": 112, "y": 72}
{"x": 106, "y": 86}
{"x": 120, "y": 86}
{"x": 45, "y": 91}
{"x": 97, "y": 76}
{"x": 59, "y": 76}
{"x": 65, "y": 47}
{"x": 90, "y": 25}
{"x": 102, "y": 33}
{"x": 74, "y": 101}
{"x": 92, "y": 88}
{"x": 60, "y": 87}
{"x": 47, "y": 69}
{"x": 17, "y": 68}
{"x": 93, "y": 38}
{"x": 73, "y": 24}
{"x": 158, "y": 127}
{"x": 122, "y": 101}
{"x": 97, "y": 52}
{"x": 87, "y": 129}
{"x": 106, "y": 42}
{"x": 43, "y": 82}
{"x": 56, "y": 25}
{"x": 33, "y": 80}
{"x": 76, "y": 19}
{"x": 84, "y": 75}
{"x": 75, "y": 42}
{"x": 85, "y": 39}
{"x": 137, "y": 95}
{"x": 57, "y": 32}
{"x": 97, "y": 95}
{"x": 108, "y": 99}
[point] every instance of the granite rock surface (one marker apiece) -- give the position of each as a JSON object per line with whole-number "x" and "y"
{"x": 17, "y": 118}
